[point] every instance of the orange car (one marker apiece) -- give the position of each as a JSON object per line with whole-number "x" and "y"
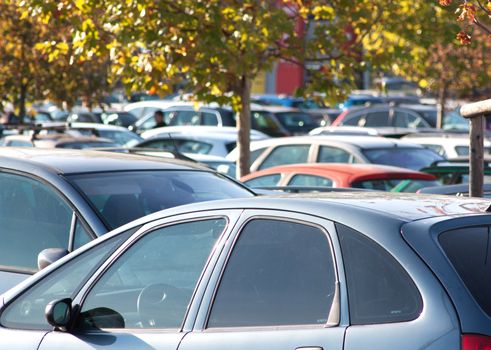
{"x": 367, "y": 176}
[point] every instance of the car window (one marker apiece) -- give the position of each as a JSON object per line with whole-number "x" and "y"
{"x": 27, "y": 311}
{"x": 20, "y": 143}
{"x": 375, "y": 119}
{"x": 412, "y": 158}
{"x": 81, "y": 236}
{"x": 436, "y": 148}
{"x": 265, "y": 122}
{"x": 328, "y": 154}
{"x": 352, "y": 120}
{"x": 120, "y": 137}
{"x": 185, "y": 118}
{"x": 279, "y": 273}
{"x": 288, "y": 154}
{"x": 379, "y": 289}
{"x": 182, "y": 146}
{"x": 120, "y": 197}
{"x": 32, "y": 212}
{"x": 209, "y": 118}
{"x": 310, "y": 180}
{"x": 266, "y": 180}
{"x": 468, "y": 249}
{"x": 408, "y": 120}
{"x": 151, "y": 284}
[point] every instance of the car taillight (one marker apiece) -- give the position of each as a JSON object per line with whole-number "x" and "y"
{"x": 476, "y": 342}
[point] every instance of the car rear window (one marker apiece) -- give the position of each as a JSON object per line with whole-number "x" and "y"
{"x": 412, "y": 158}
{"x": 468, "y": 249}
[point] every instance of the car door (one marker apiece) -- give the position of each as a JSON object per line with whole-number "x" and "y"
{"x": 143, "y": 295}
{"x": 276, "y": 286}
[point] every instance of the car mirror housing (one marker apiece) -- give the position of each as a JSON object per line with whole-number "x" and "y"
{"x": 58, "y": 313}
{"x": 48, "y": 256}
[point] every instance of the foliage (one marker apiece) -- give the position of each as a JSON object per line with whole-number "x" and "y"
{"x": 471, "y": 15}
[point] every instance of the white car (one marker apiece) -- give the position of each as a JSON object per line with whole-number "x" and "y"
{"x": 218, "y": 141}
{"x": 449, "y": 145}
{"x": 337, "y": 149}
{"x": 119, "y": 134}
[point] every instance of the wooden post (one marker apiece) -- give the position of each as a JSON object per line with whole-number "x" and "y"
{"x": 475, "y": 112}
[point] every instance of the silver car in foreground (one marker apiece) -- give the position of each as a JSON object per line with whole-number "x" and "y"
{"x": 309, "y": 272}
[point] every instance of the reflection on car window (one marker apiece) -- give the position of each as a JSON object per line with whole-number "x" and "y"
{"x": 30, "y": 212}
{"x": 27, "y": 311}
{"x": 279, "y": 273}
{"x": 379, "y": 289}
{"x": 151, "y": 284}
{"x": 412, "y": 158}
{"x": 288, "y": 154}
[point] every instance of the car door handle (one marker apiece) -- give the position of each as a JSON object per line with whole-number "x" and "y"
{"x": 310, "y": 348}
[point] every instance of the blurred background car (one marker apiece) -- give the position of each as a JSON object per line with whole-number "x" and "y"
{"x": 212, "y": 140}
{"x": 456, "y": 170}
{"x": 53, "y": 198}
{"x": 448, "y": 145}
{"x": 365, "y": 176}
{"x": 337, "y": 149}
{"x": 382, "y": 115}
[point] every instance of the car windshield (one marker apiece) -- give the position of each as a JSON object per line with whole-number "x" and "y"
{"x": 412, "y": 158}
{"x": 120, "y": 197}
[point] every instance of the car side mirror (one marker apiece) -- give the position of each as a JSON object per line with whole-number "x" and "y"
{"x": 58, "y": 313}
{"x": 48, "y": 256}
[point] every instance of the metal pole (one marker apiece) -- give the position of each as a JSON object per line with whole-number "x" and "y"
{"x": 476, "y": 157}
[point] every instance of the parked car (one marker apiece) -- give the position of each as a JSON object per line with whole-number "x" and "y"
{"x": 337, "y": 149}
{"x": 295, "y": 121}
{"x": 366, "y": 176}
{"x": 448, "y": 145}
{"x": 62, "y": 199}
{"x": 382, "y": 115}
{"x": 187, "y": 114}
{"x": 360, "y": 100}
{"x": 118, "y": 134}
{"x": 337, "y": 271}
{"x": 212, "y": 140}
{"x": 456, "y": 171}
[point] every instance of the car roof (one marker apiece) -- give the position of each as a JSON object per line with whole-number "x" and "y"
{"x": 218, "y": 132}
{"x": 345, "y": 206}
{"x": 67, "y": 161}
{"x": 364, "y": 142}
{"x": 358, "y": 170}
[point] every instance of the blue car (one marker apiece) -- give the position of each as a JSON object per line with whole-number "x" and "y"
{"x": 339, "y": 271}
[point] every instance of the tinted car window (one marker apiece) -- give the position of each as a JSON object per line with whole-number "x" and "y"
{"x": 120, "y": 197}
{"x": 151, "y": 284}
{"x": 279, "y": 273}
{"x": 379, "y": 289}
{"x": 377, "y": 119}
{"x": 289, "y": 154}
{"x": 408, "y": 120}
{"x": 310, "y": 180}
{"x": 182, "y": 146}
{"x": 468, "y": 250}
{"x": 209, "y": 118}
{"x": 352, "y": 120}
{"x": 328, "y": 154}
{"x": 33, "y": 217}
{"x": 412, "y": 158}
{"x": 27, "y": 311}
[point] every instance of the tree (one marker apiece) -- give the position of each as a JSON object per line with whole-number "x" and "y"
{"x": 471, "y": 14}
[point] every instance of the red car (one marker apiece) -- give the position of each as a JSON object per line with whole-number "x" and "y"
{"x": 367, "y": 176}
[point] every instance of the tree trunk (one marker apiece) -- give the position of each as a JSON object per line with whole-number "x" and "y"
{"x": 442, "y": 98}
{"x": 244, "y": 128}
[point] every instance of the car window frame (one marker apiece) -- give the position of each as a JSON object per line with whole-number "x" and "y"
{"x": 231, "y": 217}
{"x": 338, "y": 307}
{"x": 76, "y": 216}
